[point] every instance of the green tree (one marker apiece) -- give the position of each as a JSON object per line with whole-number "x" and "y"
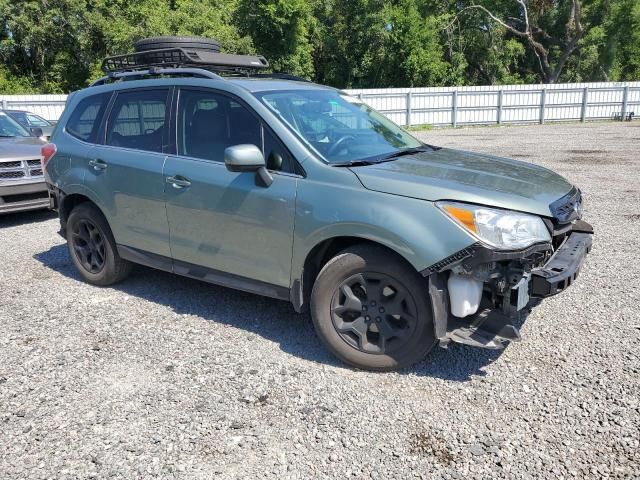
{"x": 413, "y": 52}
{"x": 58, "y": 45}
{"x": 280, "y": 30}
{"x": 378, "y": 43}
{"x": 621, "y": 52}
{"x": 45, "y": 43}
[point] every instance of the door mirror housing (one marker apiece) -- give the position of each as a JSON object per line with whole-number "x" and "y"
{"x": 248, "y": 158}
{"x": 243, "y": 158}
{"x": 36, "y": 131}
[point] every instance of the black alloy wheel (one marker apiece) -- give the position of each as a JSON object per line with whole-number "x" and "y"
{"x": 92, "y": 248}
{"x": 371, "y": 309}
{"x": 89, "y": 245}
{"x": 373, "y": 312}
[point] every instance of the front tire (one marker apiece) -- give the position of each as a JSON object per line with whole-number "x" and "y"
{"x": 371, "y": 309}
{"x": 92, "y": 247}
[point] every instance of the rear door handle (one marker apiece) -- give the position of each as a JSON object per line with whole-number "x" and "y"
{"x": 98, "y": 164}
{"x": 178, "y": 181}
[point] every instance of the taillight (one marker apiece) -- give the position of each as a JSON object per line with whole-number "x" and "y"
{"x": 47, "y": 151}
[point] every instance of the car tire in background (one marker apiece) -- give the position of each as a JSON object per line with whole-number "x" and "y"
{"x": 92, "y": 247}
{"x": 191, "y": 43}
{"x": 371, "y": 309}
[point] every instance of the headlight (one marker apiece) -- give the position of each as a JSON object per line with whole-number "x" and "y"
{"x": 502, "y": 229}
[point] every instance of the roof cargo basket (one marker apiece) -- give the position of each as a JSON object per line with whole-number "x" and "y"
{"x": 183, "y": 57}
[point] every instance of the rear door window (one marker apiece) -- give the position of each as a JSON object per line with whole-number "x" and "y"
{"x": 138, "y": 120}
{"x": 85, "y": 120}
{"x": 36, "y": 121}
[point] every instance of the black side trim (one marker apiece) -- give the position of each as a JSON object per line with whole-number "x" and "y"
{"x": 56, "y": 197}
{"x": 204, "y": 273}
{"x": 451, "y": 259}
{"x": 147, "y": 259}
{"x": 297, "y": 298}
{"x": 581, "y": 226}
{"x": 478, "y": 253}
{"x": 437, "y": 287}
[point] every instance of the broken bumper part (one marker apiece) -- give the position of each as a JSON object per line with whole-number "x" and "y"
{"x": 493, "y": 327}
{"x": 563, "y": 268}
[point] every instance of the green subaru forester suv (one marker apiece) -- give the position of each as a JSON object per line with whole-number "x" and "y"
{"x": 187, "y": 160}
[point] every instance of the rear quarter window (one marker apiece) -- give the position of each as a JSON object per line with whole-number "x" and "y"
{"x": 85, "y": 120}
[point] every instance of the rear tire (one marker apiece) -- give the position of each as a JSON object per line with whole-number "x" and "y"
{"x": 92, "y": 247}
{"x": 371, "y": 309}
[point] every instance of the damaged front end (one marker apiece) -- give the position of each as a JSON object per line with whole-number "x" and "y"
{"x": 479, "y": 294}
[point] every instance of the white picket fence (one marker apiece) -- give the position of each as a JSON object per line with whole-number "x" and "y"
{"x": 487, "y": 105}
{"x": 49, "y": 107}
{"x": 454, "y": 106}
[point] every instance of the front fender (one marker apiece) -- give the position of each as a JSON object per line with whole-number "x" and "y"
{"x": 415, "y": 229}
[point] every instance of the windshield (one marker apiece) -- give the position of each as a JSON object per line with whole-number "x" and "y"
{"x": 338, "y": 127}
{"x": 10, "y": 128}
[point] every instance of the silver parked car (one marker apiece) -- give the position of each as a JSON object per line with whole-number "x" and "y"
{"x": 35, "y": 124}
{"x": 22, "y": 184}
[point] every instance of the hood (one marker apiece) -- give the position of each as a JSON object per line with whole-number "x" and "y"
{"x": 447, "y": 174}
{"x": 20, "y": 148}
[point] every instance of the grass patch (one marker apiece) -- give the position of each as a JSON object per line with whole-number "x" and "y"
{"x": 421, "y": 127}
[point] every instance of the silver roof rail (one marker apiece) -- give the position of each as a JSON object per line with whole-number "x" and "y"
{"x": 131, "y": 75}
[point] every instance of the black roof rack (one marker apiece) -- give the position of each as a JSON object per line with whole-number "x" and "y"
{"x": 180, "y": 57}
{"x": 185, "y": 62}
{"x": 138, "y": 74}
{"x": 279, "y": 76}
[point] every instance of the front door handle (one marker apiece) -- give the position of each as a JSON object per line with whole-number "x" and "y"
{"x": 178, "y": 181}
{"x": 98, "y": 164}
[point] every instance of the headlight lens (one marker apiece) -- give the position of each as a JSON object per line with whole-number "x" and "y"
{"x": 502, "y": 229}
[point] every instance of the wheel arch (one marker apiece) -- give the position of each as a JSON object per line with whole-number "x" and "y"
{"x": 318, "y": 256}
{"x": 67, "y": 201}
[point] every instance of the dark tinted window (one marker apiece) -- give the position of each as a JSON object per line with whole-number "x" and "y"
{"x": 20, "y": 117}
{"x": 275, "y": 154}
{"x": 84, "y": 122}
{"x": 137, "y": 120}
{"x": 208, "y": 123}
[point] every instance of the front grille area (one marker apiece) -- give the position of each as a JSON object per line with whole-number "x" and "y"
{"x": 15, "y": 174}
{"x": 567, "y": 208}
{"x": 16, "y": 169}
{"x": 10, "y": 165}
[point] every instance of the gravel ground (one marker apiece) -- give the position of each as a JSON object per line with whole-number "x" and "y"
{"x": 165, "y": 377}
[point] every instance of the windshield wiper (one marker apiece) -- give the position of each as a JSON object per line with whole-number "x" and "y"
{"x": 386, "y": 158}
{"x": 352, "y": 163}
{"x": 406, "y": 151}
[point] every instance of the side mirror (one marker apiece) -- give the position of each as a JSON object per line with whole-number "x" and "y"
{"x": 36, "y": 131}
{"x": 243, "y": 158}
{"x": 248, "y": 158}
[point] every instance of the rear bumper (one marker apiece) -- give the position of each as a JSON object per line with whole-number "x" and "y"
{"x": 563, "y": 268}
{"x": 18, "y": 197}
